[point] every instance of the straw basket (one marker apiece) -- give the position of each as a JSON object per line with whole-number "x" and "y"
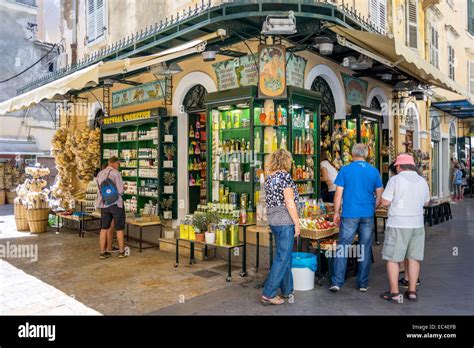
{"x": 317, "y": 234}
{"x": 38, "y": 220}
{"x": 11, "y": 195}
{"x": 20, "y": 218}
{"x": 2, "y": 197}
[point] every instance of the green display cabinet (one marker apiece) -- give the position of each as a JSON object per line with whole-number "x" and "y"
{"x": 244, "y": 130}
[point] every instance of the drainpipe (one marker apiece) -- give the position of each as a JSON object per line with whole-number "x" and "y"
{"x": 74, "y": 33}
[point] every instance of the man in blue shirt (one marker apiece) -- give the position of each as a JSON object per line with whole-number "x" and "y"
{"x": 360, "y": 187}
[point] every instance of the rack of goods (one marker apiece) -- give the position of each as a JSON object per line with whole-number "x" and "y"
{"x": 168, "y": 167}
{"x": 140, "y": 146}
{"x": 245, "y": 130}
{"x": 197, "y": 163}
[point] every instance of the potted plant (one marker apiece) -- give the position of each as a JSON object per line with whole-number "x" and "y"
{"x": 200, "y": 224}
{"x": 170, "y": 151}
{"x": 166, "y": 205}
{"x": 167, "y": 125}
{"x": 169, "y": 179}
{"x": 212, "y": 218}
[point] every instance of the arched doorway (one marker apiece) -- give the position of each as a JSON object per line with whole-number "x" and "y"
{"x": 193, "y": 106}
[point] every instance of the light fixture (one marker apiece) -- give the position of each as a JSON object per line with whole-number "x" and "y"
{"x": 324, "y": 45}
{"x": 386, "y": 77}
{"x": 361, "y": 63}
{"x": 280, "y": 25}
{"x": 243, "y": 105}
{"x": 209, "y": 55}
{"x": 163, "y": 69}
{"x": 224, "y": 107}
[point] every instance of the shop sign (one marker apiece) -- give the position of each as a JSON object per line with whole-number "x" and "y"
{"x": 144, "y": 93}
{"x": 355, "y": 89}
{"x": 272, "y": 71}
{"x": 127, "y": 117}
{"x": 240, "y": 72}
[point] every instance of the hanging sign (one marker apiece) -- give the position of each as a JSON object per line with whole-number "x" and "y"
{"x": 127, "y": 117}
{"x": 239, "y": 72}
{"x": 272, "y": 71}
{"x": 355, "y": 89}
{"x": 144, "y": 93}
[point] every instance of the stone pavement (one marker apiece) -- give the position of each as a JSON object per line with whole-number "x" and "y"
{"x": 23, "y": 294}
{"x": 446, "y": 289}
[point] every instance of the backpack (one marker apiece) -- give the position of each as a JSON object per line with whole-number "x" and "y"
{"x": 108, "y": 191}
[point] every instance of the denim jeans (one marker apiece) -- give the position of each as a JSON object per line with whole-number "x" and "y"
{"x": 349, "y": 227}
{"x": 280, "y": 273}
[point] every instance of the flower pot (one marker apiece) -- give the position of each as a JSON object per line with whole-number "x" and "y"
{"x": 210, "y": 237}
{"x": 168, "y": 164}
{"x": 184, "y": 231}
{"x": 191, "y": 233}
{"x": 20, "y": 218}
{"x": 167, "y": 215}
{"x": 199, "y": 237}
{"x": 168, "y": 138}
{"x": 37, "y": 220}
{"x": 168, "y": 189}
{"x": 11, "y": 195}
{"x": 169, "y": 234}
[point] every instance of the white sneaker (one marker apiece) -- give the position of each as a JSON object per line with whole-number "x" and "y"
{"x": 334, "y": 288}
{"x": 363, "y": 289}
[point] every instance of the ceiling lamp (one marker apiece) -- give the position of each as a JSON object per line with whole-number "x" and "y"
{"x": 209, "y": 55}
{"x": 163, "y": 69}
{"x": 386, "y": 77}
{"x": 324, "y": 45}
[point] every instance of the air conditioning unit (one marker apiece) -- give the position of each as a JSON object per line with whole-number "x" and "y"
{"x": 61, "y": 61}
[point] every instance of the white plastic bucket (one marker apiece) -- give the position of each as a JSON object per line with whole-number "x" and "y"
{"x": 303, "y": 279}
{"x": 210, "y": 237}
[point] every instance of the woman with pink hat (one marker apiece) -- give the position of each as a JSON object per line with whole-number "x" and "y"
{"x": 406, "y": 194}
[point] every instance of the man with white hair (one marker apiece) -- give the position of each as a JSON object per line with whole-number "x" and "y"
{"x": 360, "y": 187}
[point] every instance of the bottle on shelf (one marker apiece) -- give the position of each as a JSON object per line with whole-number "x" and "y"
{"x": 279, "y": 115}
{"x": 283, "y": 144}
{"x": 197, "y": 134}
{"x": 229, "y": 120}
{"x": 271, "y": 117}
{"x": 222, "y": 125}
{"x": 274, "y": 141}
{"x": 250, "y": 216}
{"x": 257, "y": 142}
{"x": 284, "y": 117}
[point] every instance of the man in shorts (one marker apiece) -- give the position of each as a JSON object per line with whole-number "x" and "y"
{"x": 113, "y": 212}
{"x": 406, "y": 193}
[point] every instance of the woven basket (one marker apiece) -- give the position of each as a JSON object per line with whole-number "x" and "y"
{"x": 11, "y": 195}
{"x": 2, "y": 197}
{"x": 317, "y": 234}
{"x": 21, "y": 219}
{"x": 38, "y": 220}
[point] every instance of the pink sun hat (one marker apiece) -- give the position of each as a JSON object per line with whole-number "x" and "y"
{"x": 404, "y": 159}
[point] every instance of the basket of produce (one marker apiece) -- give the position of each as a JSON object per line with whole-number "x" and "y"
{"x": 38, "y": 219}
{"x": 21, "y": 219}
{"x": 316, "y": 228}
{"x": 11, "y": 195}
{"x": 381, "y": 212}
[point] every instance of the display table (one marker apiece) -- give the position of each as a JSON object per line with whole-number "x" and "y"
{"x": 79, "y": 219}
{"x": 262, "y": 230}
{"x": 437, "y": 212}
{"x": 141, "y": 225}
{"x": 229, "y": 248}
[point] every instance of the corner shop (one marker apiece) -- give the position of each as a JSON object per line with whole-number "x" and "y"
{"x": 244, "y": 19}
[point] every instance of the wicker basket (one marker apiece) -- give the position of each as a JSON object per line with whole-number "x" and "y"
{"x": 21, "y": 219}
{"x": 38, "y": 220}
{"x": 2, "y": 197}
{"x": 11, "y": 195}
{"x": 317, "y": 234}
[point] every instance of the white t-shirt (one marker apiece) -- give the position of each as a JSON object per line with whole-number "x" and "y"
{"x": 332, "y": 173}
{"x": 408, "y": 193}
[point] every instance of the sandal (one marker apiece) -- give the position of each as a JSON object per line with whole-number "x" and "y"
{"x": 389, "y": 296}
{"x": 277, "y": 300}
{"x": 411, "y": 295}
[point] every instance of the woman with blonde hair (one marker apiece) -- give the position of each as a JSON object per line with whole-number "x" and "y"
{"x": 281, "y": 197}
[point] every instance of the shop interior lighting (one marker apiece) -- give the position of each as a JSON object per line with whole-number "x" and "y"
{"x": 224, "y": 107}
{"x": 243, "y": 105}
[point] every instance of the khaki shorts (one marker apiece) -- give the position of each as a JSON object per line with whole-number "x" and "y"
{"x": 403, "y": 243}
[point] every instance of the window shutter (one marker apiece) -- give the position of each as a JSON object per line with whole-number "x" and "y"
{"x": 100, "y": 18}
{"x": 471, "y": 77}
{"x": 383, "y": 14}
{"x": 91, "y": 20}
{"x": 378, "y": 10}
{"x": 434, "y": 52}
{"x": 412, "y": 23}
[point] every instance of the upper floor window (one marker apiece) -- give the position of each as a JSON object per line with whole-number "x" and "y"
{"x": 470, "y": 16}
{"x": 434, "y": 52}
{"x": 378, "y": 13}
{"x": 412, "y": 23}
{"x": 26, "y": 2}
{"x": 451, "y": 72}
{"x": 96, "y": 18}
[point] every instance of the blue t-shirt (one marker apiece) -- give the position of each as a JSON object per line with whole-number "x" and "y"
{"x": 458, "y": 177}
{"x": 359, "y": 180}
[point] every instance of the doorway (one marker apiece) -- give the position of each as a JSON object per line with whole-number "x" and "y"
{"x": 446, "y": 164}
{"x": 196, "y": 162}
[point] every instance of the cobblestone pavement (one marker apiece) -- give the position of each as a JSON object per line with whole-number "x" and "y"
{"x": 142, "y": 283}
{"x": 23, "y": 294}
{"x": 447, "y": 283}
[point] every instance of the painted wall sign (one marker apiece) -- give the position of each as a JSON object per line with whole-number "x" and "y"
{"x": 144, "y": 93}
{"x": 355, "y": 89}
{"x": 272, "y": 71}
{"x": 127, "y": 117}
{"x": 239, "y": 72}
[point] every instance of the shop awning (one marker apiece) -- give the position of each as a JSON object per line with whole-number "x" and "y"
{"x": 398, "y": 56}
{"x": 12, "y": 147}
{"x": 459, "y": 108}
{"x": 90, "y": 76}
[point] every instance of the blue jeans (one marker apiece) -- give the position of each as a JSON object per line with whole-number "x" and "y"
{"x": 349, "y": 227}
{"x": 280, "y": 273}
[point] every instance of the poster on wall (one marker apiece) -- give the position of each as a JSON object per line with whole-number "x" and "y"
{"x": 272, "y": 71}
{"x": 355, "y": 89}
{"x": 240, "y": 72}
{"x": 144, "y": 93}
